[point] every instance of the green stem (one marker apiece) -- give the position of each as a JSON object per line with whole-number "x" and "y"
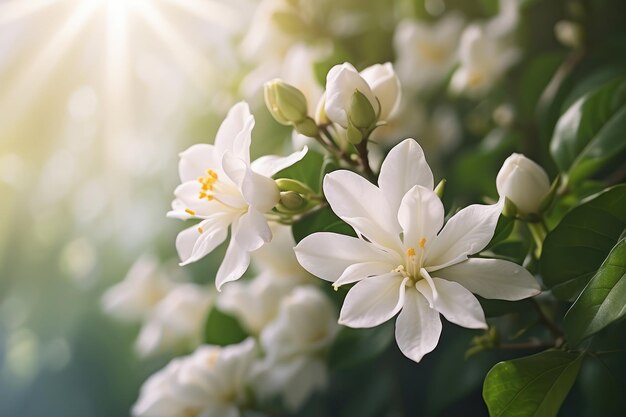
{"x": 539, "y": 232}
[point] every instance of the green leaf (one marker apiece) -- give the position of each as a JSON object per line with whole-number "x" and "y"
{"x": 575, "y": 249}
{"x": 356, "y": 346}
{"x": 591, "y": 132}
{"x": 306, "y": 170}
{"x": 222, "y": 329}
{"x": 534, "y": 386}
{"x": 602, "y": 300}
{"x": 323, "y": 220}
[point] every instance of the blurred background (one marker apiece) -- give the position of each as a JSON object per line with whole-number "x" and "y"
{"x": 98, "y": 97}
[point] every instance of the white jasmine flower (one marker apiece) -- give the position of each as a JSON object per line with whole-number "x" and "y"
{"x": 208, "y": 383}
{"x": 487, "y": 52}
{"x": 405, "y": 260}
{"x": 134, "y": 298}
{"x": 305, "y": 327}
{"x": 524, "y": 182}
{"x": 176, "y": 321}
{"x": 222, "y": 188}
{"x": 427, "y": 51}
{"x": 378, "y": 83}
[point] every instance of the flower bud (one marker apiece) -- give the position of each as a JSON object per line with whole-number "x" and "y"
{"x": 307, "y": 127}
{"x": 291, "y": 200}
{"x": 354, "y": 135}
{"x": 523, "y": 182}
{"x": 288, "y": 184}
{"x": 285, "y": 102}
{"x": 440, "y": 188}
{"x": 361, "y": 113}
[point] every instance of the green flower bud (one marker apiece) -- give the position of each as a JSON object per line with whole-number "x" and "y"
{"x": 285, "y": 102}
{"x": 291, "y": 201}
{"x": 362, "y": 114}
{"x": 307, "y": 127}
{"x": 440, "y": 188}
{"x": 288, "y": 184}
{"x": 353, "y": 134}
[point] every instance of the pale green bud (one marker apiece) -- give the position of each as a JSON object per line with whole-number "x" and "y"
{"x": 440, "y": 188}
{"x": 361, "y": 113}
{"x": 292, "y": 201}
{"x": 353, "y": 134}
{"x": 285, "y": 102}
{"x": 307, "y": 127}
{"x": 288, "y": 184}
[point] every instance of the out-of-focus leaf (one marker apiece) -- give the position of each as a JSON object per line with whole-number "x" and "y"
{"x": 307, "y": 170}
{"x": 323, "y": 220}
{"x": 534, "y": 386}
{"x": 575, "y": 249}
{"x": 535, "y": 77}
{"x": 602, "y": 300}
{"x": 503, "y": 230}
{"x": 591, "y": 132}
{"x": 355, "y": 346}
{"x": 496, "y": 308}
{"x": 222, "y": 329}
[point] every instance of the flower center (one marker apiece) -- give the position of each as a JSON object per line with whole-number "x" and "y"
{"x": 208, "y": 184}
{"x": 412, "y": 267}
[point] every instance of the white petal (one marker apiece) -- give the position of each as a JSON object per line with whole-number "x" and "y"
{"x": 196, "y": 160}
{"x": 418, "y": 326}
{"x": 404, "y": 167}
{"x": 493, "y": 278}
{"x": 341, "y": 83}
{"x": 357, "y": 272}
{"x": 327, "y": 255}
{"x": 269, "y": 165}
{"x": 466, "y": 233}
{"x": 259, "y": 191}
{"x": 187, "y": 197}
{"x": 362, "y": 205}
{"x": 235, "y": 132}
{"x": 234, "y": 264}
{"x": 420, "y": 215}
{"x": 197, "y": 241}
{"x": 385, "y": 85}
{"x": 373, "y": 301}
{"x": 252, "y": 230}
{"x": 457, "y": 304}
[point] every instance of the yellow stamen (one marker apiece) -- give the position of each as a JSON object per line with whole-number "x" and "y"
{"x": 190, "y": 212}
{"x": 200, "y": 230}
{"x": 212, "y": 173}
{"x": 422, "y": 243}
{"x": 410, "y": 252}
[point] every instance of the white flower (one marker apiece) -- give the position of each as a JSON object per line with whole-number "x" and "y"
{"x": 306, "y": 325}
{"x": 487, "y": 52}
{"x": 177, "y": 320}
{"x": 378, "y": 83}
{"x": 405, "y": 260}
{"x": 222, "y": 188}
{"x": 208, "y": 383}
{"x": 427, "y": 51}
{"x": 134, "y": 298}
{"x": 523, "y": 182}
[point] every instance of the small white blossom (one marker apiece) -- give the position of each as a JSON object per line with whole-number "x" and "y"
{"x": 294, "y": 343}
{"x": 523, "y": 182}
{"x": 378, "y": 83}
{"x": 405, "y": 260}
{"x": 208, "y": 383}
{"x": 427, "y": 51}
{"x": 177, "y": 321}
{"x": 222, "y": 188}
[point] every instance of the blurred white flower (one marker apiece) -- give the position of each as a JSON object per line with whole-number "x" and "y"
{"x": 487, "y": 51}
{"x": 405, "y": 260}
{"x": 135, "y": 298}
{"x": 523, "y": 182}
{"x": 209, "y": 383}
{"x": 378, "y": 83}
{"x": 177, "y": 321}
{"x": 222, "y": 188}
{"x": 294, "y": 345}
{"x": 427, "y": 51}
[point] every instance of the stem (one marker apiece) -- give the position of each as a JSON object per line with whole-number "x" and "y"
{"x": 361, "y": 148}
{"x": 539, "y": 232}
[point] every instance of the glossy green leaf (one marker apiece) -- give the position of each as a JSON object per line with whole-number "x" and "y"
{"x": 575, "y": 249}
{"x": 534, "y": 386}
{"x": 355, "y": 346}
{"x": 603, "y": 299}
{"x": 323, "y": 220}
{"x": 222, "y": 329}
{"x": 591, "y": 132}
{"x": 307, "y": 170}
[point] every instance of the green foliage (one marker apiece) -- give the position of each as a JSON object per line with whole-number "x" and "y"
{"x": 323, "y": 220}
{"x": 356, "y": 346}
{"x": 222, "y": 329}
{"x": 602, "y": 300}
{"x": 574, "y": 250}
{"x": 591, "y": 132}
{"x": 534, "y": 386}
{"x": 307, "y": 170}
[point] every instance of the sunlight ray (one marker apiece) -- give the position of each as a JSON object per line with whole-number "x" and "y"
{"x": 18, "y": 9}
{"x": 209, "y": 11}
